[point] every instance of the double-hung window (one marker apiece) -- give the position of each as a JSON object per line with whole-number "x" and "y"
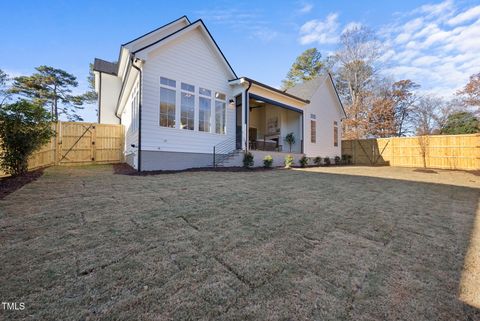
{"x": 167, "y": 102}
{"x": 204, "y": 110}
{"x": 187, "y": 106}
{"x": 220, "y": 110}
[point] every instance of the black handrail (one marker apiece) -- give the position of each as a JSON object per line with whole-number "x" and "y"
{"x": 223, "y": 150}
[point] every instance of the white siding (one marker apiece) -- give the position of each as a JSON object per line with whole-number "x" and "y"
{"x": 188, "y": 59}
{"x": 110, "y": 86}
{"x": 324, "y": 104}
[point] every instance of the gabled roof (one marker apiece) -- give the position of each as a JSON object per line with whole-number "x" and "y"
{"x": 306, "y": 89}
{"x": 105, "y": 66}
{"x": 196, "y": 24}
{"x": 185, "y": 18}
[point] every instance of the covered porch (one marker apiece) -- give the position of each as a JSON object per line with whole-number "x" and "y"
{"x": 270, "y": 123}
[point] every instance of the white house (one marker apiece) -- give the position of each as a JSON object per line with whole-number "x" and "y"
{"x": 183, "y": 106}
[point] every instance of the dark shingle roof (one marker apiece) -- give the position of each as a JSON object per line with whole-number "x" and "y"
{"x": 306, "y": 89}
{"x": 105, "y": 66}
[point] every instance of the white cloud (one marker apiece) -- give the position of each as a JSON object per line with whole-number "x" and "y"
{"x": 465, "y": 16}
{"x": 439, "y": 9}
{"x": 306, "y": 8}
{"x": 435, "y": 45}
{"x": 320, "y": 31}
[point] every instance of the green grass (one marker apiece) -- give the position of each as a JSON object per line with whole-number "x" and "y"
{"x": 83, "y": 243}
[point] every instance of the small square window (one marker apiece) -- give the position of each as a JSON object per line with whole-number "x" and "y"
{"x": 187, "y": 87}
{"x": 168, "y": 82}
{"x": 313, "y": 116}
{"x": 205, "y": 92}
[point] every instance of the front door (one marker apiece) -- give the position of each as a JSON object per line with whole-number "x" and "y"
{"x": 238, "y": 121}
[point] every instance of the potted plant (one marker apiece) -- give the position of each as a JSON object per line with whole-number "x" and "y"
{"x": 268, "y": 161}
{"x": 288, "y": 161}
{"x": 317, "y": 160}
{"x": 303, "y": 161}
{"x": 290, "y": 140}
{"x": 248, "y": 160}
{"x": 337, "y": 160}
{"x": 326, "y": 160}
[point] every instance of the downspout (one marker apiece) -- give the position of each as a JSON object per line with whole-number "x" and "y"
{"x": 246, "y": 115}
{"x": 139, "y": 117}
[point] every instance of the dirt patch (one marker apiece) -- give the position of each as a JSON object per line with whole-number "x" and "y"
{"x": 425, "y": 170}
{"x": 125, "y": 169}
{"x": 9, "y": 185}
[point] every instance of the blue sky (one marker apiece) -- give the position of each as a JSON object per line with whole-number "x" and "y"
{"x": 435, "y": 43}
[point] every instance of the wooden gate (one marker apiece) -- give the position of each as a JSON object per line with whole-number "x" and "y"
{"x": 89, "y": 143}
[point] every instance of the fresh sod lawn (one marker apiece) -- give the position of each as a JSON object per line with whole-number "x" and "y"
{"x": 83, "y": 243}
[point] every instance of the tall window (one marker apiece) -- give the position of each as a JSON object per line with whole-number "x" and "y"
{"x": 335, "y": 134}
{"x": 313, "y": 131}
{"x": 204, "y": 110}
{"x": 167, "y": 102}
{"x": 134, "y": 110}
{"x": 187, "y": 107}
{"x": 220, "y": 110}
{"x": 313, "y": 128}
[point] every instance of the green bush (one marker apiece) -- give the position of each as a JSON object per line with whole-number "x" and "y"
{"x": 317, "y": 160}
{"x": 267, "y": 161}
{"x": 24, "y": 128}
{"x": 326, "y": 160}
{"x": 288, "y": 161}
{"x": 248, "y": 160}
{"x": 337, "y": 160}
{"x": 303, "y": 161}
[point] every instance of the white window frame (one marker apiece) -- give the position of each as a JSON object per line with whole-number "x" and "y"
{"x": 176, "y": 101}
{"x": 224, "y": 102}
{"x": 184, "y": 91}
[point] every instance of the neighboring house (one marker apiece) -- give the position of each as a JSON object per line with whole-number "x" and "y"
{"x": 183, "y": 106}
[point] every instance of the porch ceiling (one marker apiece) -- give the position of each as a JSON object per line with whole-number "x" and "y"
{"x": 275, "y": 103}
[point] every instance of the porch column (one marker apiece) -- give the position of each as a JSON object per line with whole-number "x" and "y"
{"x": 245, "y": 120}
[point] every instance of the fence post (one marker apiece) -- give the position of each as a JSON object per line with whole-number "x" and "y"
{"x": 214, "y": 156}
{"x": 56, "y": 146}
{"x": 94, "y": 142}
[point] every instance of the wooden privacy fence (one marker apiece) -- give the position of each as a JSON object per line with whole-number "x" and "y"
{"x": 435, "y": 151}
{"x": 80, "y": 143}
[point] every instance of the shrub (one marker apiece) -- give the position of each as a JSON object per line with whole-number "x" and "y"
{"x": 248, "y": 160}
{"x": 327, "y": 161}
{"x": 267, "y": 161}
{"x": 337, "y": 160}
{"x": 288, "y": 161}
{"x": 317, "y": 160}
{"x": 304, "y": 161}
{"x": 25, "y": 127}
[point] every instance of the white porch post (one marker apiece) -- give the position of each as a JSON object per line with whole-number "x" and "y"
{"x": 245, "y": 119}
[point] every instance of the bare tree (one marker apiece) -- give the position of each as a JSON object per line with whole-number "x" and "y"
{"x": 430, "y": 115}
{"x": 357, "y": 60}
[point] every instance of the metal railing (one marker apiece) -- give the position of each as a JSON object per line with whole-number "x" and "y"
{"x": 223, "y": 150}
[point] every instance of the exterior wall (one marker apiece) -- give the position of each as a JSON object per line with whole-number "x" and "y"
{"x": 188, "y": 59}
{"x": 152, "y": 160}
{"x": 325, "y": 106}
{"x": 131, "y": 126}
{"x": 109, "y": 89}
